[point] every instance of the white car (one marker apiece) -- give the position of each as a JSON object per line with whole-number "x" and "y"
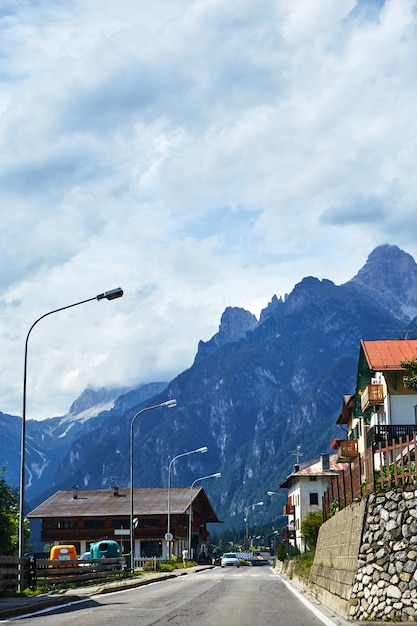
{"x": 230, "y": 558}
{"x": 84, "y": 557}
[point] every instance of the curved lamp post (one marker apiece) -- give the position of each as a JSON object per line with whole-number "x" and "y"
{"x": 278, "y": 517}
{"x": 169, "y": 404}
{"x": 289, "y": 527}
{"x": 190, "y": 519}
{"x": 169, "y": 536}
{"x": 107, "y": 295}
{"x": 274, "y": 533}
{"x": 251, "y": 506}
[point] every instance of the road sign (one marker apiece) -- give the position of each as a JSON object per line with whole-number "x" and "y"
{"x": 169, "y": 536}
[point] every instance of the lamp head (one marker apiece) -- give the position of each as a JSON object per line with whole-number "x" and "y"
{"x": 203, "y": 449}
{"x": 169, "y": 403}
{"x": 111, "y": 295}
{"x": 218, "y": 475}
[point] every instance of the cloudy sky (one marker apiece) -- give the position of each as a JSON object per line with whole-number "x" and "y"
{"x": 197, "y": 153}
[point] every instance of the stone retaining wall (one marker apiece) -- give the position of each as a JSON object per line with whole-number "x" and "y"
{"x": 365, "y": 565}
{"x": 385, "y": 585}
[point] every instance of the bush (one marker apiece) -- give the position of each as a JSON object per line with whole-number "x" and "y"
{"x": 310, "y": 527}
{"x": 166, "y": 567}
{"x": 281, "y": 552}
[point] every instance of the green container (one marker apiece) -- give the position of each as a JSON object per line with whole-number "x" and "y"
{"x": 105, "y": 549}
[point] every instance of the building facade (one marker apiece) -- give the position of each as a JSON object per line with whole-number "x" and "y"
{"x": 306, "y": 486}
{"x": 382, "y": 407}
{"x": 83, "y": 517}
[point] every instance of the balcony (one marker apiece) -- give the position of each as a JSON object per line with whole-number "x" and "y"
{"x": 88, "y": 534}
{"x": 346, "y": 450}
{"x": 289, "y": 534}
{"x": 372, "y": 394}
{"x": 384, "y": 433}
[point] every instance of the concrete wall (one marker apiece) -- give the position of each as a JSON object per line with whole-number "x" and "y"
{"x": 335, "y": 565}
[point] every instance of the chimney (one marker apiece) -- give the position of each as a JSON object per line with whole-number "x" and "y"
{"x": 75, "y": 491}
{"x": 296, "y": 468}
{"x": 115, "y": 490}
{"x": 325, "y": 462}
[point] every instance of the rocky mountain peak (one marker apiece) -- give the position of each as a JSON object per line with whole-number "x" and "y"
{"x": 391, "y": 274}
{"x": 234, "y": 324}
{"x": 93, "y": 397}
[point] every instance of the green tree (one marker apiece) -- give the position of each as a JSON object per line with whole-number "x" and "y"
{"x": 281, "y": 552}
{"x": 310, "y": 527}
{"x": 410, "y": 382}
{"x": 9, "y": 517}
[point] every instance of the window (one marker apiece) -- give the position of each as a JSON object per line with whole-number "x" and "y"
{"x": 94, "y": 523}
{"x": 313, "y": 478}
{"x": 148, "y": 522}
{"x": 65, "y": 524}
{"x": 151, "y": 548}
{"x": 120, "y": 523}
{"x": 314, "y": 498}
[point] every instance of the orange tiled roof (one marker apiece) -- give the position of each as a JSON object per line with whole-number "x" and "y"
{"x": 384, "y": 355}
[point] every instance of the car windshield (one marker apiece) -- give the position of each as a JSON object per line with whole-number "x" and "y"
{"x": 230, "y": 556}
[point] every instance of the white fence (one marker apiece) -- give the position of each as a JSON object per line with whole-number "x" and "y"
{"x": 145, "y": 563}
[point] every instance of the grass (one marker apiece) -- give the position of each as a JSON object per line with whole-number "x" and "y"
{"x": 303, "y": 564}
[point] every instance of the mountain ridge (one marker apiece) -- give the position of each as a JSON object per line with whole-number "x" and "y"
{"x": 256, "y": 391}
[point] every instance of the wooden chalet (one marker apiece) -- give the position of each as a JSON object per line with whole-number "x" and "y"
{"x": 82, "y": 517}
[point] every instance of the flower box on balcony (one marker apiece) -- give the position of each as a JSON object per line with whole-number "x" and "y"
{"x": 346, "y": 450}
{"x": 372, "y": 394}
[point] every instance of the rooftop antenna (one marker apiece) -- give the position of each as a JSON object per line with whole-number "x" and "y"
{"x": 297, "y": 453}
{"x": 110, "y": 481}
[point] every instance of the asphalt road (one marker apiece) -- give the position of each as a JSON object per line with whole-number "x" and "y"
{"x": 246, "y": 596}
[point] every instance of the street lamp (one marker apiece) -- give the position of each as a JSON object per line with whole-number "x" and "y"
{"x": 108, "y": 295}
{"x": 252, "y": 506}
{"x": 289, "y": 527}
{"x": 275, "y": 533}
{"x": 169, "y": 536}
{"x": 274, "y": 493}
{"x": 169, "y": 404}
{"x": 190, "y": 511}
{"x": 278, "y": 517}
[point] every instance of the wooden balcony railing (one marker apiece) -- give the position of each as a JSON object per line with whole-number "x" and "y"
{"x": 88, "y": 534}
{"x": 372, "y": 394}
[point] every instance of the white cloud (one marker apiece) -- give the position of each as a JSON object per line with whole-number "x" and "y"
{"x": 197, "y": 153}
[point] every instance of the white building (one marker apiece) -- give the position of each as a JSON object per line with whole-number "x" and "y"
{"x": 306, "y": 486}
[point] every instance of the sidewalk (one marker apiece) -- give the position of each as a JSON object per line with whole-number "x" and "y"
{"x": 13, "y": 607}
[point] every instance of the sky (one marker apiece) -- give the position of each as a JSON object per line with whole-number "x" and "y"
{"x": 199, "y": 154}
